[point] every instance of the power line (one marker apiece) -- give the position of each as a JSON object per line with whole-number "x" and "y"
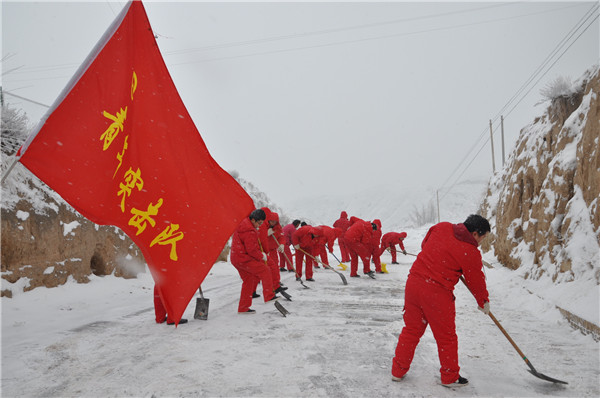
{"x": 364, "y": 39}
{"x": 25, "y": 99}
{"x": 593, "y": 10}
{"x": 328, "y": 31}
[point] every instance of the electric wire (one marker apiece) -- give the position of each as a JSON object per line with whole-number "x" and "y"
{"x": 544, "y": 65}
{"x": 364, "y": 39}
{"x": 329, "y": 31}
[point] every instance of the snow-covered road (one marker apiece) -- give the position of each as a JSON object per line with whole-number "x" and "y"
{"x": 100, "y": 340}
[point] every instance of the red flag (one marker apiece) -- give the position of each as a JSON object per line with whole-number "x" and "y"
{"x": 121, "y": 148}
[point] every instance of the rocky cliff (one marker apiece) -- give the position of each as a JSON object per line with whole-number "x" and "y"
{"x": 544, "y": 205}
{"x": 45, "y": 241}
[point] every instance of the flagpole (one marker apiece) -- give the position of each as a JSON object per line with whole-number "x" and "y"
{"x": 12, "y": 166}
{"x": 82, "y": 68}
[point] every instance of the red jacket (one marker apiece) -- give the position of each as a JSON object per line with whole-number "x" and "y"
{"x": 376, "y": 235}
{"x": 288, "y": 231}
{"x": 393, "y": 238}
{"x": 360, "y": 236}
{"x": 266, "y": 241}
{"x": 244, "y": 244}
{"x": 342, "y": 223}
{"x": 307, "y": 237}
{"x": 329, "y": 235}
{"x": 449, "y": 251}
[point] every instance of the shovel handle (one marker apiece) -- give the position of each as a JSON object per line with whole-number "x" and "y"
{"x": 200, "y": 291}
{"x": 504, "y": 332}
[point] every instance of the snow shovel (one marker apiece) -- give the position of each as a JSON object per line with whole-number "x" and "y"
{"x": 326, "y": 266}
{"x": 201, "y": 311}
{"x": 531, "y": 368}
{"x": 344, "y": 266}
{"x": 281, "y": 309}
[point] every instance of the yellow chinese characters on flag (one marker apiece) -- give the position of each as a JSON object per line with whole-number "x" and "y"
{"x": 121, "y": 148}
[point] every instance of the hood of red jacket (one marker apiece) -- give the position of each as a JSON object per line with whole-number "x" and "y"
{"x": 462, "y": 233}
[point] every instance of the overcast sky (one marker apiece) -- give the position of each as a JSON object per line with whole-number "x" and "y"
{"x": 311, "y": 98}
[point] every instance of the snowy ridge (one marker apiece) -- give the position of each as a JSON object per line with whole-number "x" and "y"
{"x": 393, "y": 205}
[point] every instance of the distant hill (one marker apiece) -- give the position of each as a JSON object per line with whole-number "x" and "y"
{"x": 394, "y": 206}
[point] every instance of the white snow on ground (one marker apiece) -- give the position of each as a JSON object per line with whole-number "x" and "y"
{"x": 100, "y": 340}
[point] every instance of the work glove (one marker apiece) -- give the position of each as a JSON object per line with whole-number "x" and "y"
{"x": 486, "y": 308}
{"x": 270, "y": 232}
{"x": 296, "y": 247}
{"x": 264, "y": 257}
{"x": 280, "y": 249}
{"x": 404, "y": 252}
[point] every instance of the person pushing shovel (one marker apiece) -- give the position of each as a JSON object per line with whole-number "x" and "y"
{"x": 250, "y": 261}
{"x": 448, "y": 252}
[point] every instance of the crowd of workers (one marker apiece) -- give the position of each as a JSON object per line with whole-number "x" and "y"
{"x": 261, "y": 249}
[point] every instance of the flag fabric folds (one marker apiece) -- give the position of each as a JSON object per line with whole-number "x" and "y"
{"x": 121, "y": 148}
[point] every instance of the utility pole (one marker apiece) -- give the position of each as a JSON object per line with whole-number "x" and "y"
{"x": 502, "y": 126}
{"x": 492, "y": 141}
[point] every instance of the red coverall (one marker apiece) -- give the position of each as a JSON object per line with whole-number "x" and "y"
{"x": 286, "y": 259}
{"x": 329, "y": 235}
{"x": 270, "y": 245}
{"x": 375, "y": 249}
{"x": 391, "y": 239}
{"x": 448, "y": 251}
{"x": 359, "y": 238}
{"x": 247, "y": 258}
{"x": 160, "y": 312}
{"x": 343, "y": 223}
{"x": 307, "y": 237}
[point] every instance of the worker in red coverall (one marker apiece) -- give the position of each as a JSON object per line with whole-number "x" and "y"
{"x": 305, "y": 239}
{"x": 390, "y": 240}
{"x": 250, "y": 261}
{"x": 286, "y": 259}
{"x": 271, "y": 242}
{"x": 343, "y": 223}
{"x": 160, "y": 312}
{"x": 447, "y": 252}
{"x": 375, "y": 247}
{"x": 325, "y": 244}
{"x": 359, "y": 240}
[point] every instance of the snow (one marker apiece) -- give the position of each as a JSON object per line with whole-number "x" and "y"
{"x": 22, "y": 215}
{"x": 100, "y": 340}
{"x": 69, "y": 227}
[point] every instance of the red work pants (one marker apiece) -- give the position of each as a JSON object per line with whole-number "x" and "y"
{"x": 392, "y": 250}
{"x": 426, "y": 302}
{"x": 300, "y": 256}
{"x": 272, "y": 262}
{"x": 251, "y": 273}
{"x": 160, "y": 311}
{"x": 355, "y": 251}
{"x": 287, "y": 258}
{"x": 343, "y": 249}
{"x": 323, "y": 254}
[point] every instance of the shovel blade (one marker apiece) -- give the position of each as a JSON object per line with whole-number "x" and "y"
{"x": 547, "y": 378}
{"x": 281, "y": 309}
{"x": 344, "y": 281}
{"x": 201, "y": 311}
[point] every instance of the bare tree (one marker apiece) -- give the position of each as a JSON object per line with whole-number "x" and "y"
{"x": 424, "y": 215}
{"x": 14, "y": 129}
